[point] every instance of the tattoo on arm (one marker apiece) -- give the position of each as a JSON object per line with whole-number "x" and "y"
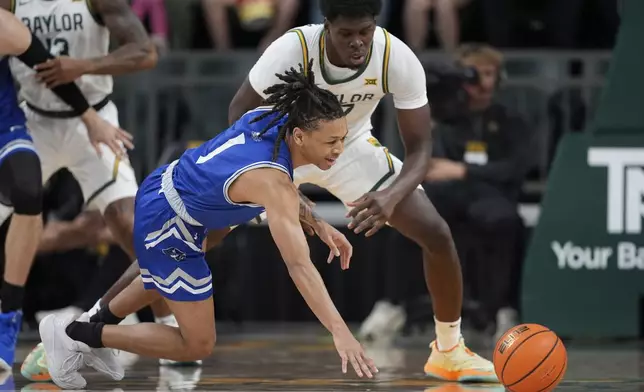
{"x": 307, "y": 214}
{"x": 135, "y": 52}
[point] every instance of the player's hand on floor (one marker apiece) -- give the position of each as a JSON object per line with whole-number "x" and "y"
{"x": 371, "y": 212}
{"x": 351, "y": 351}
{"x": 337, "y": 242}
{"x": 101, "y": 131}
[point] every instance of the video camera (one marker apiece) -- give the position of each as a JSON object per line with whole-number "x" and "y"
{"x": 447, "y": 97}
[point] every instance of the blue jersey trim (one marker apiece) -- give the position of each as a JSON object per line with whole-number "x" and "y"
{"x": 256, "y": 165}
{"x": 18, "y": 144}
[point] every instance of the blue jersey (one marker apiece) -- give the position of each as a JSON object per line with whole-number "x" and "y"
{"x": 11, "y": 116}
{"x": 204, "y": 174}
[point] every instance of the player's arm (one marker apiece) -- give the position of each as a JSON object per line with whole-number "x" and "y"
{"x": 284, "y": 53}
{"x": 15, "y": 37}
{"x": 281, "y": 202}
{"x": 406, "y": 82}
{"x": 280, "y": 198}
{"x": 408, "y": 86}
{"x": 136, "y": 52}
{"x": 17, "y": 40}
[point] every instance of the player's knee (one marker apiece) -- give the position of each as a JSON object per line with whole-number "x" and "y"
{"x": 26, "y": 196}
{"x": 439, "y": 232}
{"x": 21, "y": 182}
{"x": 200, "y": 347}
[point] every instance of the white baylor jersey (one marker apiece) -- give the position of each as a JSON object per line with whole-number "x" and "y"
{"x": 390, "y": 67}
{"x": 66, "y": 28}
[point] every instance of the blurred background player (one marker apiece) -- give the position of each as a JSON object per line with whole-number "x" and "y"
{"x": 20, "y": 172}
{"x": 252, "y": 164}
{"x": 361, "y": 63}
{"x": 81, "y": 48}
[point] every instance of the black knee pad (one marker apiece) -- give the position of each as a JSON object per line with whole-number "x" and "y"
{"x": 21, "y": 180}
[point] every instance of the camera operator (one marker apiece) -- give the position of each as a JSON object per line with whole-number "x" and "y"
{"x": 482, "y": 154}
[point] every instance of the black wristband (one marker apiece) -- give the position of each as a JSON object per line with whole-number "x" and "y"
{"x": 68, "y": 93}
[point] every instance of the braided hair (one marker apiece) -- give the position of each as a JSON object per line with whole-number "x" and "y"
{"x": 301, "y": 100}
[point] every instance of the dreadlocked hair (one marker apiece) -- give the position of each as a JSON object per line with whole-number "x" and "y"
{"x": 353, "y": 9}
{"x": 299, "y": 99}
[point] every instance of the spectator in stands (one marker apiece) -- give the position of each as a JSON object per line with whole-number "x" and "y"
{"x": 480, "y": 161}
{"x": 236, "y": 24}
{"x": 155, "y": 13}
{"x": 315, "y": 15}
{"x": 416, "y": 22}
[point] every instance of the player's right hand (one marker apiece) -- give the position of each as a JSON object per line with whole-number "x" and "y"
{"x": 337, "y": 242}
{"x": 101, "y": 131}
{"x": 351, "y": 350}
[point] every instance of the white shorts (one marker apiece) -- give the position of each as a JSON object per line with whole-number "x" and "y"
{"x": 364, "y": 166}
{"x": 63, "y": 143}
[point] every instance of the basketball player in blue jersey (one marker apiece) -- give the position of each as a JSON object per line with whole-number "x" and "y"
{"x": 20, "y": 173}
{"x": 244, "y": 171}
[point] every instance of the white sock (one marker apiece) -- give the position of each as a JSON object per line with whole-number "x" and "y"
{"x": 165, "y": 320}
{"x": 447, "y": 334}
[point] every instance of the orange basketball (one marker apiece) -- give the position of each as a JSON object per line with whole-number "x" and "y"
{"x": 530, "y": 358}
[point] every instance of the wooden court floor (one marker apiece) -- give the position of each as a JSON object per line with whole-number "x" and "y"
{"x": 306, "y": 361}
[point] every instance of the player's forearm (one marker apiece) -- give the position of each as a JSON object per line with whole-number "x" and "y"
{"x": 309, "y": 283}
{"x": 290, "y": 240}
{"x": 34, "y": 53}
{"x": 415, "y": 131}
{"x": 129, "y": 58}
{"x": 414, "y": 170}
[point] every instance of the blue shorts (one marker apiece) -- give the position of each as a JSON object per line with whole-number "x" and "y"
{"x": 15, "y": 139}
{"x": 168, "y": 249}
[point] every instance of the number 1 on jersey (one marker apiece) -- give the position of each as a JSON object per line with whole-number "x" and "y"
{"x": 237, "y": 140}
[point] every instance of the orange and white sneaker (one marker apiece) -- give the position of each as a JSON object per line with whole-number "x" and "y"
{"x": 459, "y": 364}
{"x": 34, "y": 367}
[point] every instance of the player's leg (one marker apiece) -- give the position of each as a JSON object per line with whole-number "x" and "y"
{"x": 416, "y": 218}
{"x": 20, "y": 185}
{"x": 110, "y": 185}
{"x": 193, "y": 340}
{"x": 119, "y": 216}
{"x": 367, "y": 166}
{"x": 173, "y": 265}
{"x": 34, "y": 366}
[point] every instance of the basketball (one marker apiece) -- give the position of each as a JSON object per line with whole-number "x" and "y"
{"x": 530, "y": 358}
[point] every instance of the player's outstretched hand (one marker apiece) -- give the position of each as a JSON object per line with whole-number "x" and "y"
{"x": 351, "y": 351}
{"x": 101, "y": 131}
{"x": 337, "y": 242}
{"x": 371, "y": 212}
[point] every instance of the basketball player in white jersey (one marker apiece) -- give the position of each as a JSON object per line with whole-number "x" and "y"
{"x": 20, "y": 173}
{"x": 78, "y": 34}
{"x": 361, "y": 63}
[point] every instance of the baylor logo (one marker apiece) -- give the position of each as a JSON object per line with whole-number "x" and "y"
{"x": 349, "y": 101}
{"x": 625, "y": 201}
